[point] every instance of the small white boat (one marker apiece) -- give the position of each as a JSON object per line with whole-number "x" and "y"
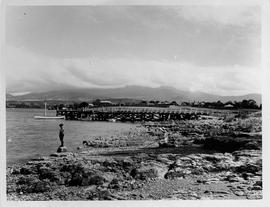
{"x": 48, "y": 117}
{"x": 112, "y": 120}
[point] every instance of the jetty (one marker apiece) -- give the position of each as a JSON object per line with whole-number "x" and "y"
{"x": 134, "y": 114}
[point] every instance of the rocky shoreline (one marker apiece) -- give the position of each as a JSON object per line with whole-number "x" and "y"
{"x": 209, "y": 158}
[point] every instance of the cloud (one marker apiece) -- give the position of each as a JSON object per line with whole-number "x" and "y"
{"x": 202, "y": 35}
{"x": 27, "y": 71}
{"x": 224, "y": 14}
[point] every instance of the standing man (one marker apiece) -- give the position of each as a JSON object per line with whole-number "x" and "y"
{"x": 61, "y": 134}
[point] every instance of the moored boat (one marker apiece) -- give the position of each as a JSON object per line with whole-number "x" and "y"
{"x": 48, "y": 117}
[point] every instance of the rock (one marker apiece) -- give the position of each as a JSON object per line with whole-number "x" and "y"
{"x": 199, "y": 140}
{"x": 258, "y": 183}
{"x": 55, "y": 155}
{"x": 26, "y": 170}
{"x": 97, "y": 180}
{"x": 144, "y": 173}
{"x": 39, "y": 159}
{"x": 100, "y": 194}
{"x": 255, "y": 195}
{"x": 128, "y": 163}
{"x": 166, "y": 145}
{"x": 218, "y": 157}
{"x": 73, "y": 168}
{"x": 50, "y": 174}
{"x": 110, "y": 162}
{"x": 256, "y": 188}
{"x": 27, "y": 180}
{"x": 76, "y": 179}
{"x": 198, "y": 171}
{"x": 248, "y": 168}
{"x": 42, "y": 186}
{"x": 33, "y": 185}
{"x": 115, "y": 184}
{"x": 164, "y": 159}
{"x": 247, "y": 176}
{"x": 230, "y": 144}
{"x": 61, "y": 149}
{"x": 233, "y": 178}
{"x": 37, "y": 162}
{"x": 203, "y": 181}
{"x": 239, "y": 193}
{"x": 142, "y": 156}
{"x": 252, "y": 145}
{"x": 82, "y": 176}
{"x": 73, "y": 173}
{"x": 247, "y": 153}
{"x": 175, "y": 174}
{"x": 66, "y": 177}
{"x": 61, "y": 154}
{"x": 15, "y": 171}
{"x": 208, "y": 167}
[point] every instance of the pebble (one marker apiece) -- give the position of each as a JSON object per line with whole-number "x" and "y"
{"x": 256, "y": 187}
{"x": 239, "y": 193}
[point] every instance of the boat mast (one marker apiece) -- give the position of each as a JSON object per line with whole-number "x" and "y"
{"x": 45, "y": 106}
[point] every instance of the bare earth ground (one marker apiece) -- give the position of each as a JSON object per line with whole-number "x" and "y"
{"x": 210, "y": 158}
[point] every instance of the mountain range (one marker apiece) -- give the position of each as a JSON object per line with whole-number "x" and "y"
{"x": 130, "y": 92}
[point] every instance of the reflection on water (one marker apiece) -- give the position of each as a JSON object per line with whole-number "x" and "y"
{"x": 28, "y": 137}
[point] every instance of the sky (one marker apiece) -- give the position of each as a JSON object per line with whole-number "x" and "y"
{"x": 213, "y": 49}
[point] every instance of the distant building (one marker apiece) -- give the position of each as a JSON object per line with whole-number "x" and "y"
{"x": 185, "y": 104}
{"x": 228, "y": 106}
{"x": 105, "y": 103}
{"x": 173, "y": 107}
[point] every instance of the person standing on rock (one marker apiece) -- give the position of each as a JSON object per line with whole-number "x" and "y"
{"x": 61, "y": 134}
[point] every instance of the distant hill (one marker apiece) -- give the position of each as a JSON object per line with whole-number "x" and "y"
{"x": 130, "y": 92}
{"x": 9, "y": 97}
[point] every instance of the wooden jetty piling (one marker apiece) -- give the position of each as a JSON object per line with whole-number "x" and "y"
{"x": 132, "y": 114}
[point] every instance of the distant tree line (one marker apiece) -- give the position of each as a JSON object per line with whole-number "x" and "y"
{"x": 244, "y": 104}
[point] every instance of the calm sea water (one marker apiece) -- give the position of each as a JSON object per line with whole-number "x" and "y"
{"x": 28, "y": 137}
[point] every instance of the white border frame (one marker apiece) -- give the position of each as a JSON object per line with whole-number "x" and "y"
{"x": 265, "y": 51}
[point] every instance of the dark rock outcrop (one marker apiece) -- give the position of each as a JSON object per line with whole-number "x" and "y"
{"x": 144, "y": 173}
{"x": 230, "y": 144}
{"x": 61, "y": 149}
{"x": 33, "y": 185}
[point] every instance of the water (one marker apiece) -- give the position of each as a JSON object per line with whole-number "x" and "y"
{"x": 28, "y": 137}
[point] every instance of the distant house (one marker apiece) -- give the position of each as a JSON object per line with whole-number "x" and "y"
{"x": 163, "y": 104}
{"x": 88, "y": 107}
{"x": 105, "y": 103}
{"x": 173, "y": 107}
{"x": 229, "y": 106}
{"x": 174, "y": 103}
{"x": 202, "y": 104}
{"x": 185, "y": 104}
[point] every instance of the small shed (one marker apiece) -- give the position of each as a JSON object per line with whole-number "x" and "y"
{"x": 228, "y": 106}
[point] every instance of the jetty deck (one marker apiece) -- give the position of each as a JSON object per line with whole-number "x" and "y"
{"x": 140, "y": 113}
